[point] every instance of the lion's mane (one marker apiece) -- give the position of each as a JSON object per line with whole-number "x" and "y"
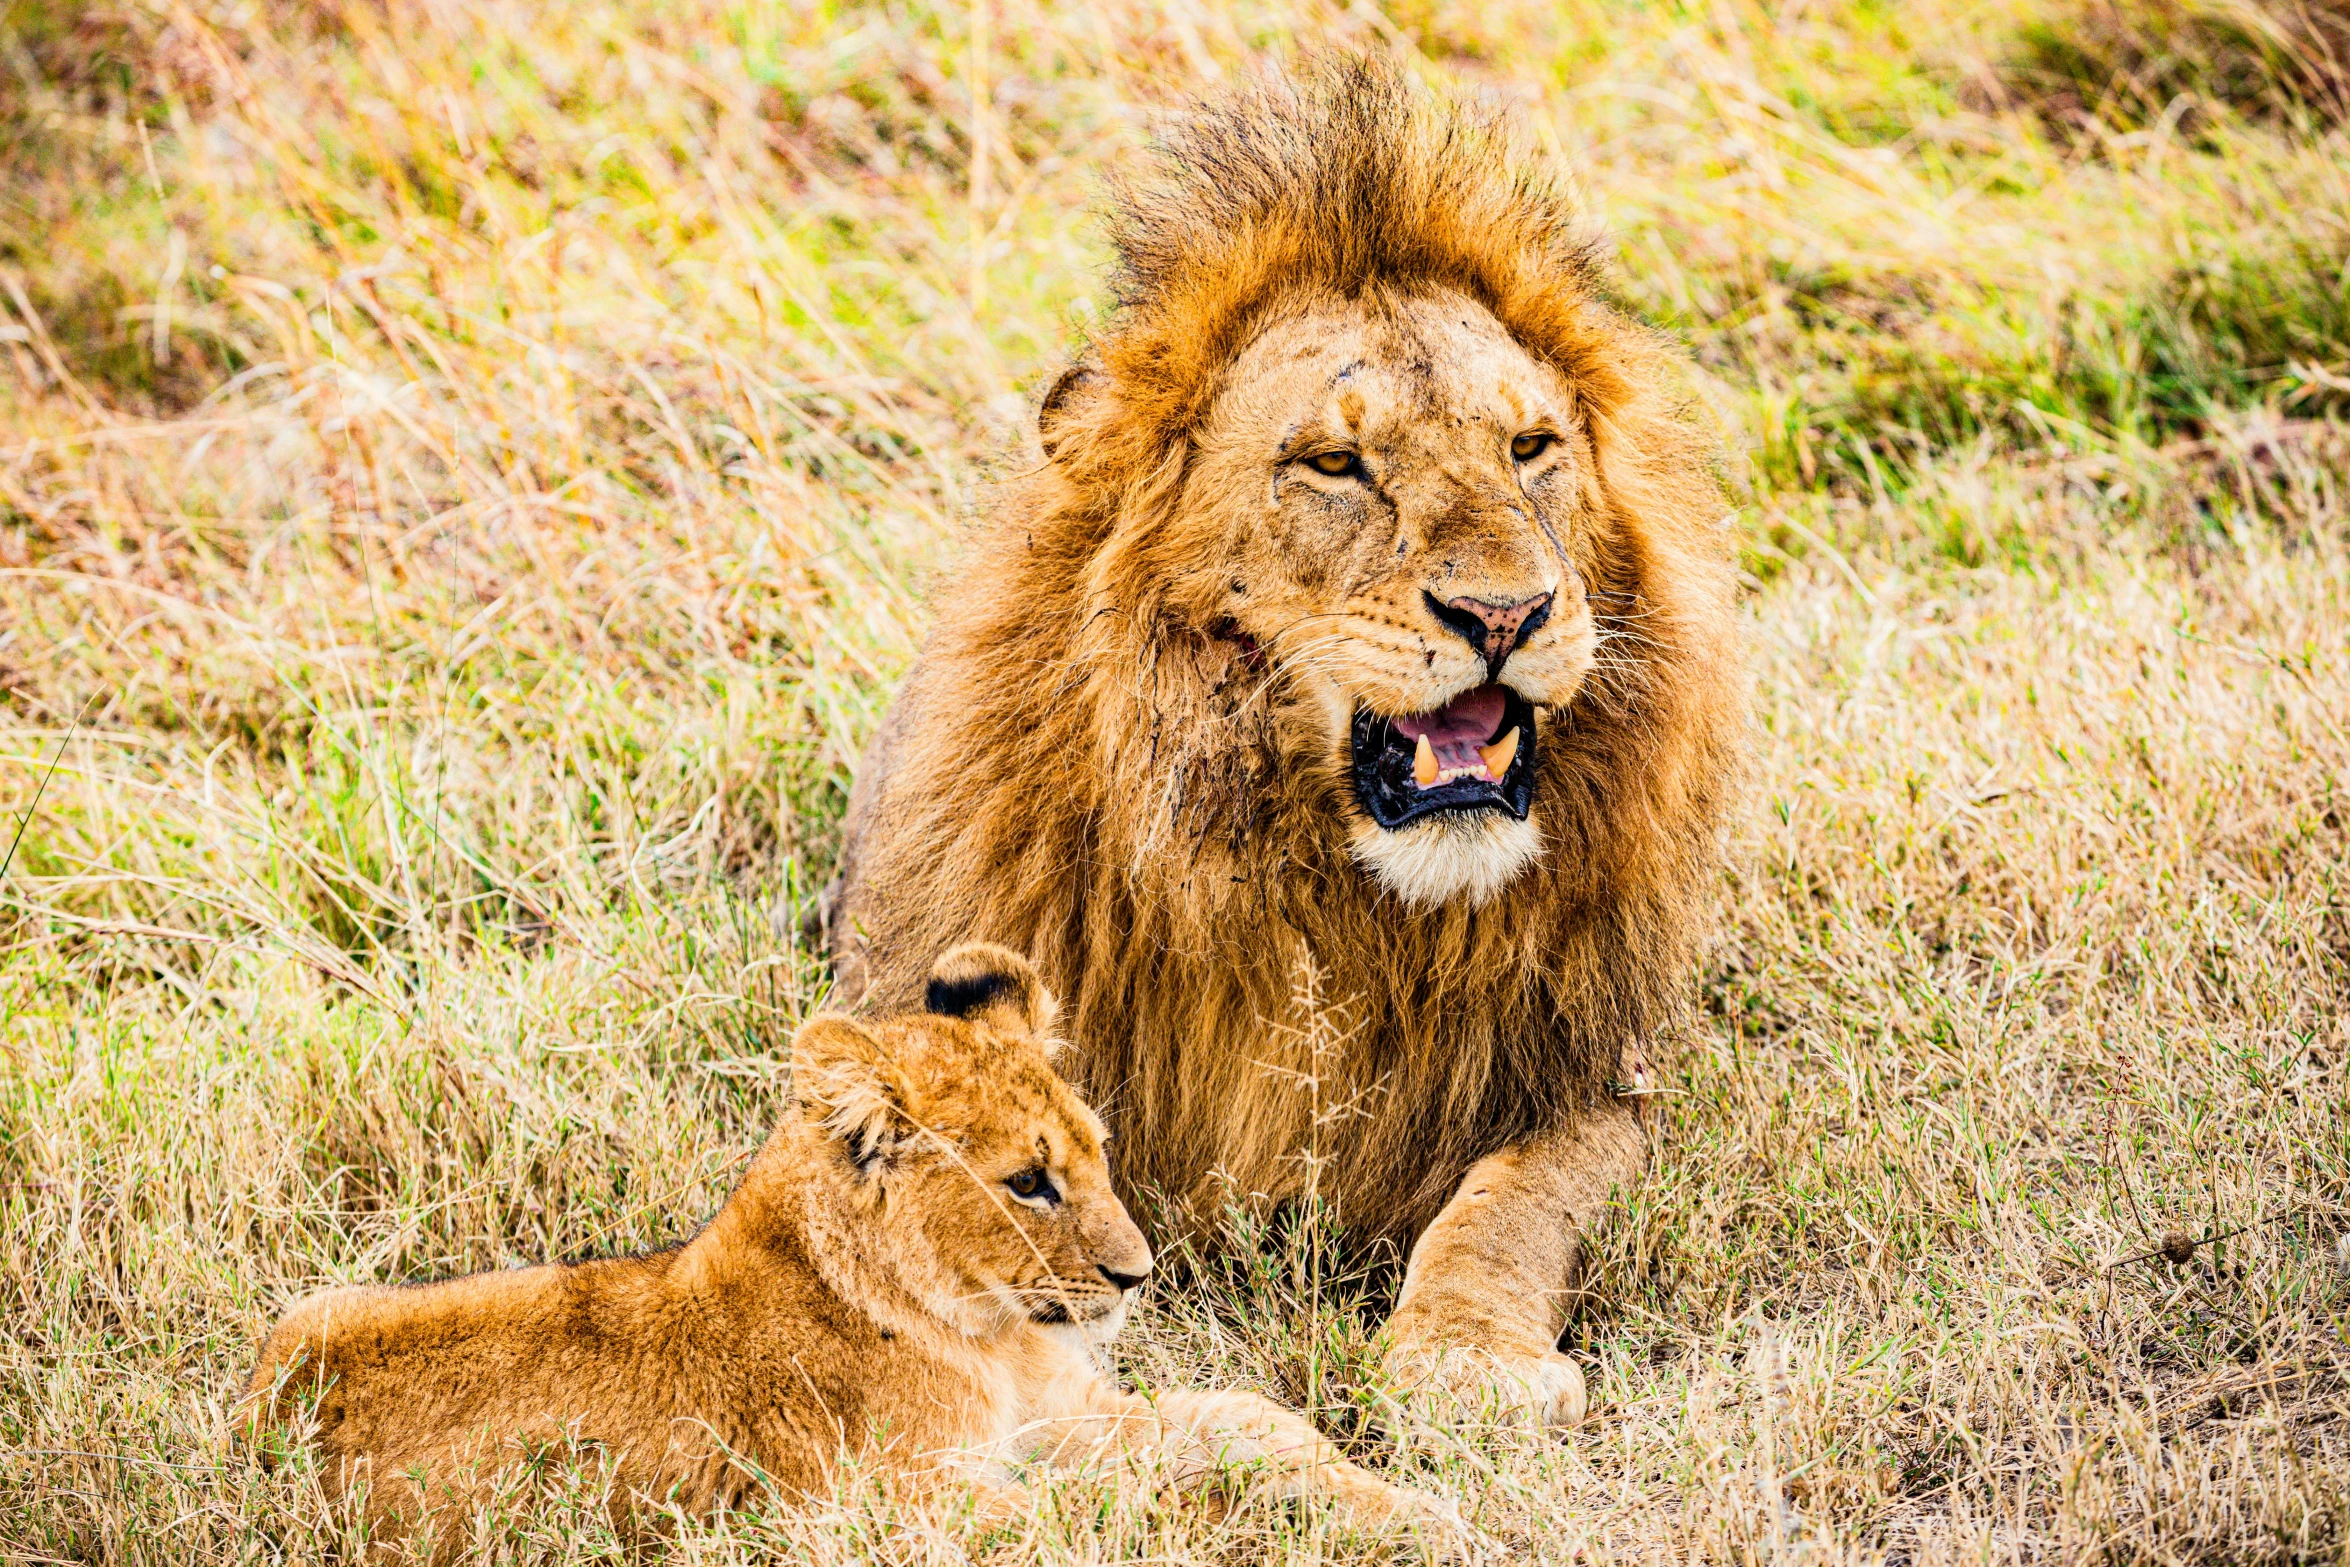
{"x": 1078, "y": 766}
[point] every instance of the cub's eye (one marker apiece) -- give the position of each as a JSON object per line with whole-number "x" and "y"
{"x": 1531, "y": 445}
{"x": 1337, "y": 464}
{"x": 1033, "y": 1185}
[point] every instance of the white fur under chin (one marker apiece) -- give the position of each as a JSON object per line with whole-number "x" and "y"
{"x": 1438, "y": 859}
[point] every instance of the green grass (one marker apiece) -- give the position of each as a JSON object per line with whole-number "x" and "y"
{"x": 439, "y": 611}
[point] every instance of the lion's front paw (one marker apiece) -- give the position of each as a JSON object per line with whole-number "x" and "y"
{"x": 1455, "y": 1388}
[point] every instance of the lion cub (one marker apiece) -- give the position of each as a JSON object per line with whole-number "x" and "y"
{"x": 915, "y": 1270}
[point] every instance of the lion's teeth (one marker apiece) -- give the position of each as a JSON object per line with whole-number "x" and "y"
{"x": 1424, "y": 763}
{"x": 1500, "y": 754}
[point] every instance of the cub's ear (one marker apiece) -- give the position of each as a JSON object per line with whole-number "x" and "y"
{"x": 1069, "y": 391}
{"x": 844, "y": 1080}
{"x": 993, "y": 985}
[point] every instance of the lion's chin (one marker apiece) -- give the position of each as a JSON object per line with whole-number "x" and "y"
{"x": 1464, "y": 856}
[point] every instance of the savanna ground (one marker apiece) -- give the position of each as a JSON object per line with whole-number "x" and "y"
{"x": 469, "y": 475}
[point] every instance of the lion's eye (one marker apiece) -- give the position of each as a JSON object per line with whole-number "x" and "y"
{"x": 1531, "y": 445}
{"x": 1034, "y": 1185}
{"x": 1337, "y": 464}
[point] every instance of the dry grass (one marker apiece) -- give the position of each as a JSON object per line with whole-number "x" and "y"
{"x": 468, "y": 476}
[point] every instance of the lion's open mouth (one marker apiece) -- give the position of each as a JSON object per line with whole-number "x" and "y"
{"x": 1474, "y": 753}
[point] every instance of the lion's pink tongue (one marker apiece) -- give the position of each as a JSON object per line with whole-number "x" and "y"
{"x": 1458, "y": 729}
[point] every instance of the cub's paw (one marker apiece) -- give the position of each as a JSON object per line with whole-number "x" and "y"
{"x": 1434, "y": 1523}
{"x": 1461, "y": 1389}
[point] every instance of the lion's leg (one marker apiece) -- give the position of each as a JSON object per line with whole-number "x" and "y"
{"x": 1192, "y": 1438}
{"x": 1490, "y": 1282}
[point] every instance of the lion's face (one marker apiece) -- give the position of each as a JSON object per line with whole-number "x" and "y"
{"x": 1407, "y": 502}
{"x": 980, "y": 1170}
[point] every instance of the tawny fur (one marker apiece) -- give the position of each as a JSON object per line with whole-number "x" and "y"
{"x": 1125, "y": 746}
{"x": 877, "y": 1289}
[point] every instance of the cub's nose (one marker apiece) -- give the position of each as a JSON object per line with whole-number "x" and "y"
{"x": 1494, "y": 630}
{"x": 1127, "y": 1281}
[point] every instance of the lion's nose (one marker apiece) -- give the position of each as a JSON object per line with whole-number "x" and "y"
{"x": 1127, "y": 1281}
{"x": 1494, "y": 630}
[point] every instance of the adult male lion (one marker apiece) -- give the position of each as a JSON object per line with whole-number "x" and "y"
{"x": 1365, "y": 634}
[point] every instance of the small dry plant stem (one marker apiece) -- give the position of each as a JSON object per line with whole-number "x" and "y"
{"x": 1317, "y": 1044}
{"x": 1323, "y": 1035}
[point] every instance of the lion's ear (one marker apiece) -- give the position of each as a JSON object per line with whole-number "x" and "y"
{"x": 989, "y": 984}
{"x": 1070, "y": 388}
{"x": 843, "y": 1079}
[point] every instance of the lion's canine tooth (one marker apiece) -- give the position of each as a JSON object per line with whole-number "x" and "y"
{"x": 1424, "y": 763}
{"x": 1500, "y": 754}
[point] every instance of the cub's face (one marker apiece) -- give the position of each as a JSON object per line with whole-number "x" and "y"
{"x": 981, "y": 1170}
{"x": 1402, "y": 503}
{"x": 1015, "y": 1199}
